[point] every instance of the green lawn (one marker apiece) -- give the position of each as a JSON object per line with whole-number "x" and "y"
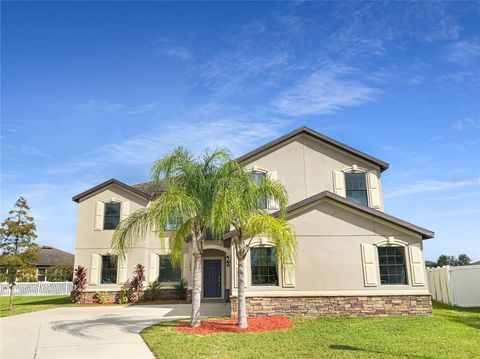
{"x": 449, "y": 333}
{"x": 28, "y": 304}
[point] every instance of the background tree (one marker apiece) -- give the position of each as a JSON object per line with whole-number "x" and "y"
{"x": 191, "y": 183}
{"x": 17, "y": 247}
{"x": 463, "y": 260}
{"x": 60, "y": 273}
{"x": 237, "y": 207}
{"x": 445, "y": 260}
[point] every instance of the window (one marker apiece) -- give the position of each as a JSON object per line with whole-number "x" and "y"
{"x": 112, "y": 215}
{"x": 109, "y": 269}
{"x": 42, "y": 274}
{"x": 264, "y": 266}
{"x": 356, "y": 187}
{"x": 168, "y": 273}
{"x": 257, "y": 178}
{"x": 173, "y": 224}
{"x": 392, "y": 265}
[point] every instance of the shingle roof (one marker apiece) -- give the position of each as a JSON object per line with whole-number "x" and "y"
{"x": 425, "y": 233}
{"x": 151, "y": 188}
{"x": 383, "y": 165}
{"x": 49, "y": 256}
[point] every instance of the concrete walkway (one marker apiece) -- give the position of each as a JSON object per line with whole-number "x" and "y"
{"x": 89, "y": 332}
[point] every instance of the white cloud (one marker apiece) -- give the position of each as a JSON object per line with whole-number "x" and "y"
{"x": 235, "y": 135}
{"x": 104, "y": 106}
{"x": 421, "y": 187}
{"x": 137, "y": 153}
{"x": 323, "y": 92}
{"x": 464, "y": 51}
{"x": 177, "y": 51}
{"x": 166, "y": 46}
{"x": 468, "y": 123}
{"x": 141, "y": 109}
{"x": 52, "y": 208}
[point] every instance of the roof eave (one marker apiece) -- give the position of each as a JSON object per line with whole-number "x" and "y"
{"x": 383, "y": 165}
{"x": 425, "y": 233}
{"x": 109, "y": 182}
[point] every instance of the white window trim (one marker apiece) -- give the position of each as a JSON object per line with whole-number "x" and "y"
{"x": 261, "y": 242}
{"x": 102, "y": 254}
{"x": 394, "y": 242}
{"x": 356, "y": 169}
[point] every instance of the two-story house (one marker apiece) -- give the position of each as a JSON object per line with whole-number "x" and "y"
{"x": 351, "y": 259}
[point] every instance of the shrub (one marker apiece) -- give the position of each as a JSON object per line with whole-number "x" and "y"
{"x": 153, "y": 290}
{"x": 60, "y": 273}
{"x": 136, "y": 285}
{"x": 124, "y": 296}
{"x": 79, "y": 284}
{"x": 100, "y": 297}
{"x": 181, "y": 289}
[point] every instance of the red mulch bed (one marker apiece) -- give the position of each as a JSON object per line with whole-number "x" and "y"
{"x": 255, "y": 324}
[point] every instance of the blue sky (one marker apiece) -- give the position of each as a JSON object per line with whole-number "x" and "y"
{"x": 92, "y": 91}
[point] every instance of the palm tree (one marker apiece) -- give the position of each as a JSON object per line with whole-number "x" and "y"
{"x": 190, "y": 196}
{"x": 237, "y": 207}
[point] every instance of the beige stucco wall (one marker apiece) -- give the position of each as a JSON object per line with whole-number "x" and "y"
{"x": 305, "y": 166}
{"x": 90, "y": 241}
{"x": 329, "y": 257}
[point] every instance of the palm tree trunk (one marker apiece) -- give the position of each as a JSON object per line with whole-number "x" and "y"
{"x": 10, "y": 303}
{"x": 196, "y": 290}
{"x": 242, "y": 305}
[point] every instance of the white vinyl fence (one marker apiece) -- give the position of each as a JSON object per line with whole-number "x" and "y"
{"x": 455, "y": 285}
{"x": 37, "y": 288}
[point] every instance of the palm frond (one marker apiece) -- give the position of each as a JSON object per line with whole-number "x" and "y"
{"x": 171, "y": 166}
{"x": 129, "y": 230}
{"x": 175, "y": 203}
{"x": 179, "y": 238}
{"x": 276, "y": 191}
{"x": 279, "y": 231}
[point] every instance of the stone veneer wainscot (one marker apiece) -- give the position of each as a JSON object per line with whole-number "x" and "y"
{"x": 356, "y": 306}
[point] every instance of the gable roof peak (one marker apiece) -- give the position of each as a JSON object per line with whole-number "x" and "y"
{"x": 319, "y": 136}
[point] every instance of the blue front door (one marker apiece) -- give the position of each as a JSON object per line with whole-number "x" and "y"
{"x": 212, "y": 278}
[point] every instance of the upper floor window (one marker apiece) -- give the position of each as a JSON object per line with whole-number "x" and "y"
{"x": 168, "y": 273}
{"x": 109, "y": 270}
{"x": 112, "y": 215}
{"x": 392, "y": 265}
{"x": 264, "y": 266}
{"x": 356, "y": 187}
{"x": 257, "y": 178}
{"x": 173, "y": 224}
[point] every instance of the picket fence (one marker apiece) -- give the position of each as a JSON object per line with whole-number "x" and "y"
{"x": 455, "y": 285}
{"x": 37, "y": 288}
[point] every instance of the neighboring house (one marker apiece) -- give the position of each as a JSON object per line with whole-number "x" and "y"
{"x": 48, "y": 258}
{"x": 352, "y": 258}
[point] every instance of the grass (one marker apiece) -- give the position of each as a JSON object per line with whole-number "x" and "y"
{"x": 27, "y": 304}
{"x": 450, "y": 333}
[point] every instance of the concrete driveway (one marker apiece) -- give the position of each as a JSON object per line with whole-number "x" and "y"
{"x": 89, "y": 332}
